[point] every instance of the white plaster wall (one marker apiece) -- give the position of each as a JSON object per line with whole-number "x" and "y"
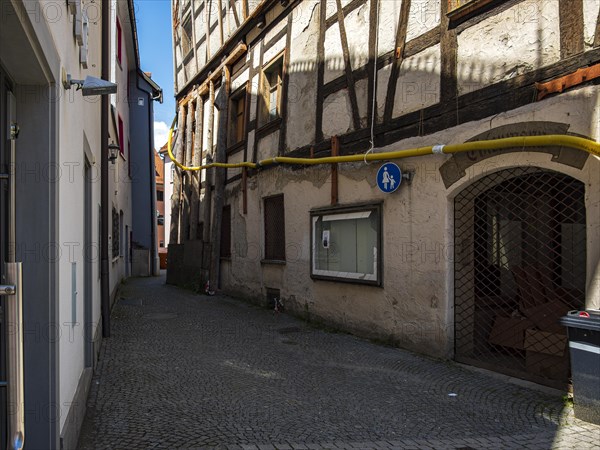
{"x": 268, "y": 146}
{"x": 79, "y": 120}
{"x": 418, "y": 84}
{"x": 274, "y": 50}
{"x": 389, "y": 13}
{"x": 334, "y": 57}
{"x": 337, "y": 118}
{"x": 517, "y": 40}
{"x": 424, "y": 15}
{"x": 254, "y": 85}
{"x": 276, "y": 29}
{"x": 302, "y": 92}
{"x": 590, "y": 16}
{"x": 240, "y": 80}
{"x": 357, "y": 32}
{"x": 233, "y": 158}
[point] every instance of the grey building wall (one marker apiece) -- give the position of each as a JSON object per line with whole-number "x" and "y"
{"x": 142, "y": 166}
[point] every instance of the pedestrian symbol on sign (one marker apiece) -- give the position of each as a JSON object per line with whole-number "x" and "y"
{"x": 389, "y": 177}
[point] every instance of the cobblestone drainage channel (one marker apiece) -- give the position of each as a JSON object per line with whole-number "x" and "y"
{"x": 159, "y": 316}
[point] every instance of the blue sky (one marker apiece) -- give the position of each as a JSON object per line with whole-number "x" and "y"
{"x": 153, "y": 20}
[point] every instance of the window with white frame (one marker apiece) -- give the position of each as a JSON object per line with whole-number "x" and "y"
{"x": 346, "y": 244}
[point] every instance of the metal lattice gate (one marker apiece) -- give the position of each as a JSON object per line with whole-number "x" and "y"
{"x": 520, "y": 254}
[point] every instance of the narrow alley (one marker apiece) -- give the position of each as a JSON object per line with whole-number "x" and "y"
{"x": 188, "y": 371}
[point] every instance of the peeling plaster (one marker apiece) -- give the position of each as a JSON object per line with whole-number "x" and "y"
{"x": 337, "y": 117}
{"x": 523, "y": 38}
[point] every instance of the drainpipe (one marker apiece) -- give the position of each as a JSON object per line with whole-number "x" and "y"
{"x": 104, "y": 273}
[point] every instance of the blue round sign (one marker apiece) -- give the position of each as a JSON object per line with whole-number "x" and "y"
{"x": 389, "y": 177}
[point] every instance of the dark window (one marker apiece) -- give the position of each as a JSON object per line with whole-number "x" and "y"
{"x": 226, "y": 232}
{"x": 121, "y": 235}
{"x": 121, "y": 137}
{"x": 129, "y": 158}
{"x": 186, "y": 36}
{"x": 162, "y": 243}
{"x": 116, "y": 232}
{"x": 119, "y": 41}
{"x": 237, "y": 117}
{"x": 270, "y": 92}
{"x": 274, "y": 228}
{"x": 160, "y": 196}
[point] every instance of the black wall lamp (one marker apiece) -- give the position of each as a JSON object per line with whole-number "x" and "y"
{"x": 113, "y": 150}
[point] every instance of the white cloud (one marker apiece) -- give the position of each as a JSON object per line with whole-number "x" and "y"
{"x": 161, "y": 134}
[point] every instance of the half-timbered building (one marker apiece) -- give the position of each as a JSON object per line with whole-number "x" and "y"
{"x": 476, "y": 255}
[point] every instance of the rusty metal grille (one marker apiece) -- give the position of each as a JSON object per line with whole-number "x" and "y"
{"x": 520, "y": 255}
{"x": 274, "y": 228}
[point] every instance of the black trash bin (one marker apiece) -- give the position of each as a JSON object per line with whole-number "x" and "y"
{"x": 584, "y": 345}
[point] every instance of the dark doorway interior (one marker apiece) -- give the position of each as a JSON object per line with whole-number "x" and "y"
{"x": 520, "y": 265}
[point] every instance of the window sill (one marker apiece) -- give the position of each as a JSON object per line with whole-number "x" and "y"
{"x": 274, "y": 262}
{"x": 269, "y": 127}
{"x": 374, "y": 283}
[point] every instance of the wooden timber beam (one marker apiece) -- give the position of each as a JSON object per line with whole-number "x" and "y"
{"x": 335, "y": 151}
{"x": 567, "y": 81}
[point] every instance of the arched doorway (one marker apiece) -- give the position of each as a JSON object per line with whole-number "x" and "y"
{"x": 520, "y": 253}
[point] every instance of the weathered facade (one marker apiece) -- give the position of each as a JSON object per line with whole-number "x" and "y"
{"x": 475, "y": 257}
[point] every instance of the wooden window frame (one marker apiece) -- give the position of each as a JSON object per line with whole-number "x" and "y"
{"x": 190, "y": 37}
{"x": 233, "y": 142}
{"x": 271, "y": 254}
{"x": 264, "y": 117}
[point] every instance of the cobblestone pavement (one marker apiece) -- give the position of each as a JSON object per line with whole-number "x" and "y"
{"x": 183, "y": 371}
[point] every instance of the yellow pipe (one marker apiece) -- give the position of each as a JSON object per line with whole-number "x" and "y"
{"x": 553, "y": 140}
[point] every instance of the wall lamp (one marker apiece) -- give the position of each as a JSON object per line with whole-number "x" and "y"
{"x": 113, "y": 151}
{"x": 90, "y": 86}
